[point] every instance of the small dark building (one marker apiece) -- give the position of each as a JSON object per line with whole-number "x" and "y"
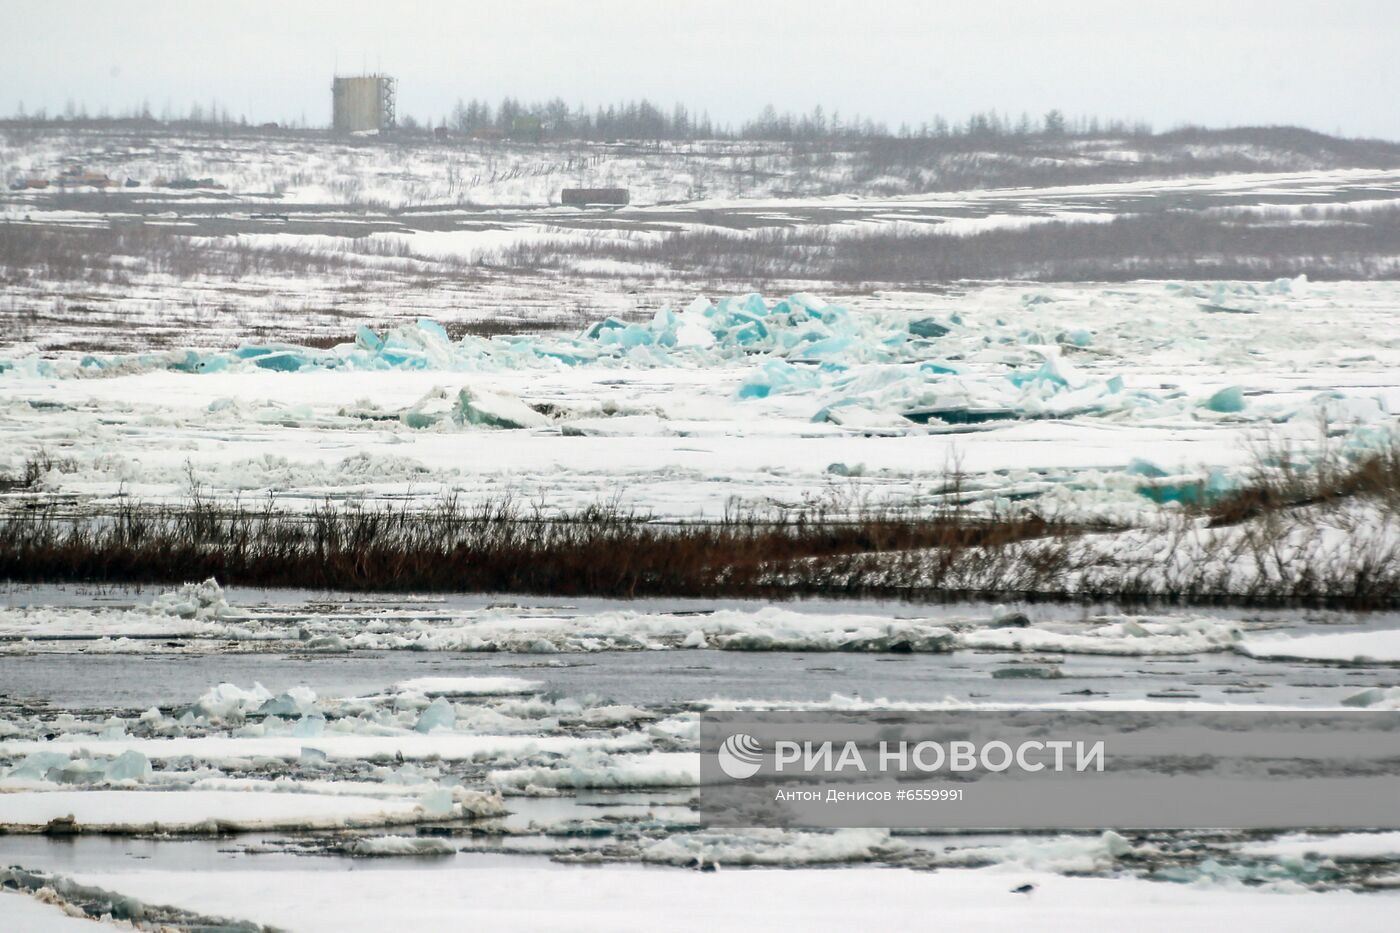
{"x": 588, "y": 197}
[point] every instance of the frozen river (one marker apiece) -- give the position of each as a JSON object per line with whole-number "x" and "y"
{"x": 559, "y": 758}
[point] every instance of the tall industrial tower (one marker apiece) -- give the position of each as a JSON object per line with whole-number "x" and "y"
{"x": 363, "y": 104}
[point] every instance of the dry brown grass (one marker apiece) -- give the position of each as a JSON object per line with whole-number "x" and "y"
{"x": 1324, "y": 533}
{"x": 499, "y": 546}
{"x": 1282, "y": 481}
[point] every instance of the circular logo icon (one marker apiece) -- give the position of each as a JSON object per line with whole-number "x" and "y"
{"x": 740, "y": 756}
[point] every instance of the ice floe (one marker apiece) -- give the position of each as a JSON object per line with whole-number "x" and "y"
{"x": 441, "y": 744}
{"x": 591, "y": 769}
{"x": 1299, "y": 846}
{"x": 1344, "y": 647}
{"x": 381, "y": 846}
{"x": 547, "y": 631}
{"x": 195, "y": 601}
{"x": 129, "y": 811}
{"x": 468, "y": 686}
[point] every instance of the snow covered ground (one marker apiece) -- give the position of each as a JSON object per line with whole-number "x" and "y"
{"x": 281, "y": 170}
{"x": 309, "y": 265}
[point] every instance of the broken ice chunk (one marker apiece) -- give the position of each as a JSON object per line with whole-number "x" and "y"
{"x": 568, "y": 354}
{"x": 629, "y": 337}
{"x": 1140, "y": 467}
{"x": 1191, "y": 492}
{"x": 492, "y": 410}
{"x": 130, "y": 765}
{"x": 281, "y": 359}
{"x": 440, "y": 714}
{"x": 367, "y": 339}
{"x": 310, "y": 727}
{"x": 942, "y": 367}
{"x": 311, "y": 757}
{"x": 1058, "y": 372}
{"x": 36, "y": 766}
{"x": 1227, "y": 401}
{"x": 595, "y": 332}
{"x": 377, "y": 846}
{"x": 438, "y": 802}
{"x": 777, "y": 376}
{"x": 194, "y": 601}
{"x": 229, "y": 701}
{"x": 435, "y": 407}
{"x": 1077, "y": 337}
{"x": 298, "y": 701}
{"x": 1339, "y": 408}
{"x": 928, "y": 327}
{"x": 190, "y": 361}
{"x": 1173, "y": 492}
{"x": 693, "y": 334}
{"x": 1379, "y": 697}
{"x": 434, "y": 330}
{"x": 114, "y": 728}
{"x": 698, "y": 309}
{"x": 748, "y": 307}
{"x": 827, "y": 346}
{"x": 812, "y": 303}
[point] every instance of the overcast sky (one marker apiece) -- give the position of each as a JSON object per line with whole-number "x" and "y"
{"x": 1333, "y": 66}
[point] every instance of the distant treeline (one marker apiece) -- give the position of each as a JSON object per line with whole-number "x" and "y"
{"x": 636, "y": 119}
{"x": 643, "y": 119}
